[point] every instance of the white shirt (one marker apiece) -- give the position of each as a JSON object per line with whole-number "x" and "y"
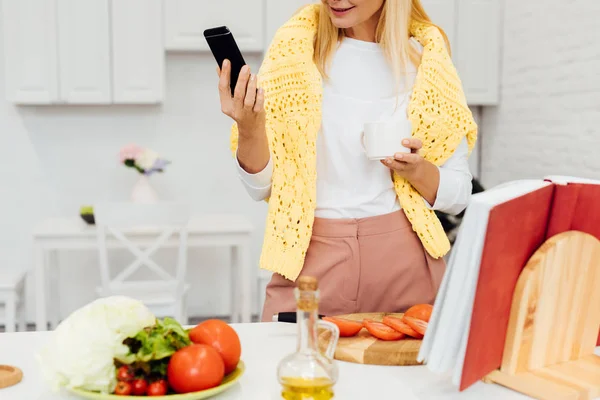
{"x": 360, "y": 89}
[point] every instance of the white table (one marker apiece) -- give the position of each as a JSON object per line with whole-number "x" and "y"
{"x": 233, "y": 231}
{"x": 263, "y": 346}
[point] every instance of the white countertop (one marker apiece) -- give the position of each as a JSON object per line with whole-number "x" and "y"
{"x": 263, "y": 345}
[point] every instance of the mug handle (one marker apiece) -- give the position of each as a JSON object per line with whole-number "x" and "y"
{"x": 362, "y": 141}
{"x": 333, "y": 340}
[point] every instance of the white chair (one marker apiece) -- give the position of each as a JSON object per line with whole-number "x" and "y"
{"x": 165, "y": 296}
{"x": 12, "y": 298}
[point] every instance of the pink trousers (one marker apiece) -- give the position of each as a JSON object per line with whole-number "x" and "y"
{"x": 374, "y": 264}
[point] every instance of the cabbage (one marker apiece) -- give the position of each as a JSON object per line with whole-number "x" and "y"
{"x": 82, "y": 349}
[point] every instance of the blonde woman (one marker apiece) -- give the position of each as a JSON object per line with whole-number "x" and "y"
{"x": 366, "y": 229}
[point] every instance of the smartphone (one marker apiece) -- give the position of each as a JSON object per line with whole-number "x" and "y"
{"x": 223, "y": 46}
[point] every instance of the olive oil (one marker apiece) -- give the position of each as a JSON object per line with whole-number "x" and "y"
{"x": 307, "y": 389}
{"x": 309, "y": 373}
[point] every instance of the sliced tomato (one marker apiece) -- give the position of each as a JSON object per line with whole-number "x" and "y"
{"x": 347, "y": 327}
{"x": 420, "y": 311}
{"x": 397, "y": 324}
{"x": 382, "y": 331}
{"x": 417, "y": 324}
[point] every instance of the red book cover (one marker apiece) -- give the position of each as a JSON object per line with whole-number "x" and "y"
{"x": 515, "y": 231}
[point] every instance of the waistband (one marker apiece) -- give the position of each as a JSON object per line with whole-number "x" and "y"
{"x": 354, "y": 227}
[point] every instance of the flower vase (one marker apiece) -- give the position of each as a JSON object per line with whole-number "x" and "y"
{"x": 143, "y": 192}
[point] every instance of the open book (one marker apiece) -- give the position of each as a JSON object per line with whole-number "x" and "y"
{"x": 501, "y": 230}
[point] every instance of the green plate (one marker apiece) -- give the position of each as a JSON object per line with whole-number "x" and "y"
{"x": 228, "y": 381}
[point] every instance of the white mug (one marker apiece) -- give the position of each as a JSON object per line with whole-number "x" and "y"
{"x": 383, "y": 139}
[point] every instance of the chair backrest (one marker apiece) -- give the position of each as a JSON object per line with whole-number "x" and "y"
{"x": 160, "y": 220}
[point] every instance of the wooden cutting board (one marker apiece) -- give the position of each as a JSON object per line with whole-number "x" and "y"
{"x": 9, "y": 376}
{"x": 366, "y": 349}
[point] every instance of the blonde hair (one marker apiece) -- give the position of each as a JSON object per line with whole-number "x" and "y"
{"x": 392, "y": 33}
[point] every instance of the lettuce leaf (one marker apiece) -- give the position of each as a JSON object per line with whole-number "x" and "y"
{"x": 150, "y": 348}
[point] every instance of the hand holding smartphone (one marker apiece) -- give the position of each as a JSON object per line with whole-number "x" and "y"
{"x": 247, "y": 106}
{"x": 223, "y": 46}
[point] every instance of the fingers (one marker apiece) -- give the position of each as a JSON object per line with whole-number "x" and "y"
{"x": 407, "y": 158}
{"x": 402, "y": 161}
{"x": 394, "y": 165}
{"x": 240, "y": 88}
{"x": 224, "y": 78}
{"x": 259, "y": 105}
{"x": 250, "y": 93}
{"x": 224, "y": 90}
{"x": 412, "y": 143}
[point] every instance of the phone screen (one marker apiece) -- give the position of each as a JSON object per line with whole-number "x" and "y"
{"x": 223, "y": 46}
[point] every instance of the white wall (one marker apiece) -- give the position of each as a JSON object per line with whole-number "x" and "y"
{"x": 55, "y": 159}
{"x": 548, "y": 121}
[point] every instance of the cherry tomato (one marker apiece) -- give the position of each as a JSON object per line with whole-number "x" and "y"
{"x": 123, "y": 388}
{"x": 397, "y": 324}
{"x": 125, "y": 374}
{"x": 417, "y": 324}
{"x": 221, "y": 337}
{"x": 139, "y": 387}
{"x": 194, "y": 368}
{"x": 420, "y": 311}
{"x": 382, "y": 331}
{"x": 347, "y": 327}
{"x": 157, "y": 388}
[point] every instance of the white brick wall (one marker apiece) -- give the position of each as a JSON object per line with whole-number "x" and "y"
{"x": 548, "y": 121}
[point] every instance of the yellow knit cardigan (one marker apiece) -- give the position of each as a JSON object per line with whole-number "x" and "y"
{"x": 293, "y": 90}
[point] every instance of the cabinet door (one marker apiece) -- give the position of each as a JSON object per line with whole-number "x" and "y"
{"x": 478, "y": 52}
{"x": 84, "y": 49}
{"x": 443, "y": 13}
{"x": 277, "y": 13}
{"x": 30, "y": 51}
{"x": 138, "y": 55}
{"x": 186, "y": 20}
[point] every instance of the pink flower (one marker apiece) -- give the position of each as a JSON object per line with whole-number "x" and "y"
{"x": 130, "y": 152}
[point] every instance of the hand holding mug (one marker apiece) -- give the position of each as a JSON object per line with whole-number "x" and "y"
{"x": 246, "y": 105}
{"x": 406, "y": 164}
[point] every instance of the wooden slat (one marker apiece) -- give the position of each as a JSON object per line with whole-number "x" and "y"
{"x": 577, "y": 300}
{"x": 535, "y": 386}
{"x": 590, "y": 318}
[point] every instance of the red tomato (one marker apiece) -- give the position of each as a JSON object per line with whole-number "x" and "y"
{"x": 157, "y": 388}
{"x": 125, "y": 374}
{"x": 397, "y": 324}
{"x": 194, "y": 368}
{"x": 139, "y": 387}
{"x": 123, "y": 388}
{"x": 347, "y": 327}
{"x": 420, "y": 311}
{"x": 382, "y": 331}
{"x": 222, "y": 338}
{"x": 417, "y": 324}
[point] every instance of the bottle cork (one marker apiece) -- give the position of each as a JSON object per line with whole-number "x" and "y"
{"x": 307, "y": 283}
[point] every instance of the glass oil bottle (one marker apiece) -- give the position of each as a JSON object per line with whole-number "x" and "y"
{"x": 309, "y": 373}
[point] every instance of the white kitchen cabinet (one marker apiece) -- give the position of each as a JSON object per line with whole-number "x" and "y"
{"x": 186, "y": 20}
{"x": 84, "y": 51}
{"x": 473, "y": 29}
{"x": 277, "y": 12}
{"x": 478, "y": 52}
{"x": 138, "y": 53}
{"x": 30, "y": 52}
